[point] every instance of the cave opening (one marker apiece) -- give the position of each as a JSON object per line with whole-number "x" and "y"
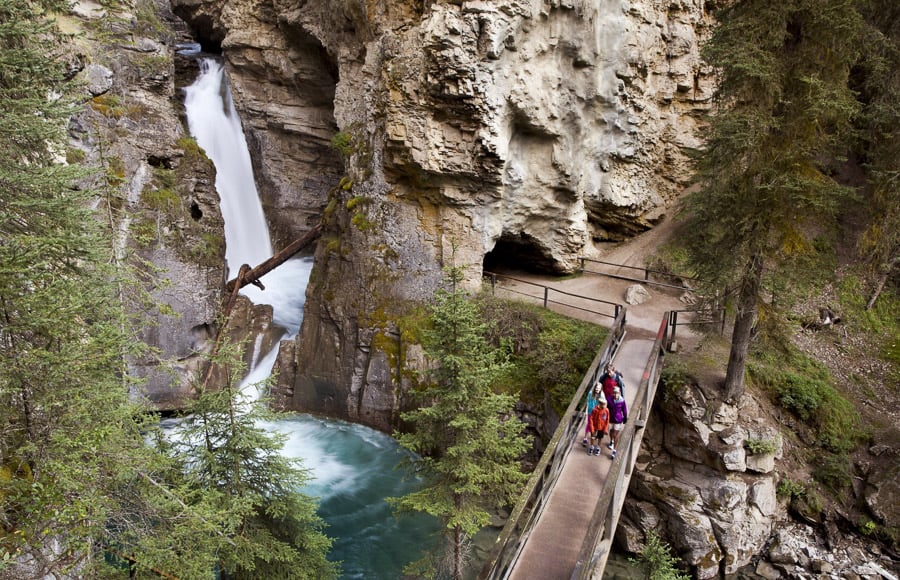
{"x": 519, "y": 252}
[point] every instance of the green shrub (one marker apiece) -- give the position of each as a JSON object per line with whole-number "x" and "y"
{"x": 832, "y": 471}
{"x": 164, "y": 200}
{"x": 75, "y": 155}
{"x": 191, "y": 148}
{"x": 147, "y": 21}
{"x": 343, "y": 143}
{"x": 550, "y": 352}
{"x": 790, "y": 489}
{"x": 657, "y": 561}
{"x": 761, "y": 446}
{"x": 362, "y": 222}
{"x": 358, "y": 200}
{"x": 804, "y": 387}
{"x": 674, "y": 376}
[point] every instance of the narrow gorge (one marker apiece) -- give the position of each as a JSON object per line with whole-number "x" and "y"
{"x": 422, "y": 134}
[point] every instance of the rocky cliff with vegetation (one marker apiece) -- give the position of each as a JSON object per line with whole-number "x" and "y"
{"x": 423, "y": 135}
{"x": 438, "y": 133}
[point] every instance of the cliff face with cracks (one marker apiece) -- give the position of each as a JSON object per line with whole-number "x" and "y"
{"x": 521, "y": 131}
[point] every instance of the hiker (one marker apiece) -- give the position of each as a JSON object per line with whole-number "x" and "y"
{"x": 599, "y": 422}
{"x": 594, "y": 396}
{"x": 610, "y": 379}
{"x": 618, "y": 416}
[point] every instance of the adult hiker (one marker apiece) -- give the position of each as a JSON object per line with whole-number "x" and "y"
{"x": 618, "y": 416}
{"x": 609, "y": 380}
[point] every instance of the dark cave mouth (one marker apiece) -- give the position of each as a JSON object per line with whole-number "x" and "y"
{"x": 520, "y": 252}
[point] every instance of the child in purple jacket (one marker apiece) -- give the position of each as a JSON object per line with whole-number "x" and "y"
{"x": 618, "y": 416}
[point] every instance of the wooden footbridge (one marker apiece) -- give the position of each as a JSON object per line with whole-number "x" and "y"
{"x": 563, "y": 524}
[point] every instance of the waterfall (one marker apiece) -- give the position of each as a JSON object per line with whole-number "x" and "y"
{"x": 353, "y": 467}
{"x": 215, "y": 125}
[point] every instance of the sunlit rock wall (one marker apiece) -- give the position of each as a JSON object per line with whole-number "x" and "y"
{"x": 539, "y": 127}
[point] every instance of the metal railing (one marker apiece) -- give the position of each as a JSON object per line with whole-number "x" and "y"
{"x": 646, "y": 279}
{"x": 697, "y": 318}
{"x": 537, "y": 491}
{"x": 546, "y": 292}
{"x": 597, "y": 542}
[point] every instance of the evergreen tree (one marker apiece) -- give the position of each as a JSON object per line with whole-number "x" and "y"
{"x": 237, "y": 474}
{"x": 466, "y": 433}
{"x": 784, "y": 107}
{"x": 880, "y": 92}
{"x": 69, "y": 437}
{"x": 82, "y": 494}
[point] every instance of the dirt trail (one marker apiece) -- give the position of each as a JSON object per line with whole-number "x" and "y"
{"x": 642, "y": 319}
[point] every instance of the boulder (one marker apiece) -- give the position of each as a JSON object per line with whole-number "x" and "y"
{"x": 97, "y": 79}
{"x": 636, "y": 294}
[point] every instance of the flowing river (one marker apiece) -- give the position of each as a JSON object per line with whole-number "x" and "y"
{"x": 354, "y": 468}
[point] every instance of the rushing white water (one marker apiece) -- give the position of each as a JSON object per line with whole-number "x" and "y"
{"x": 354, "y": 467}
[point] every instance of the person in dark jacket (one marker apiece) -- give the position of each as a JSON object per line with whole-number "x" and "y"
{"x": 618, "y": 416}
{"x": 609, "y": 380}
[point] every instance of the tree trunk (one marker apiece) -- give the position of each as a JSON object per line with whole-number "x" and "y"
{"x": 882, "y": 280}
{"x": 458, "y": 539}
{"x": 744, "y": 321}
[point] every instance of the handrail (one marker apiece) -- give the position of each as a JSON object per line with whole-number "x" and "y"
{"x": 537, "y": 490}
{"x": 597, "y": 542}
{"x": 647, "y": 272}
{"x": 674, "y": 323}
{"x": 547, "y": 289}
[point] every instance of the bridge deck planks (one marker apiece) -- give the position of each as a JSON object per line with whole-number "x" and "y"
{"x": 552, "y": 549}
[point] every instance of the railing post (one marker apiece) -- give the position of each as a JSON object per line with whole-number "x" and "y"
{"x": 581, "y": 261}
{"x": 546, "y": 295}
{"x": 493, "y": 283}
{"x": 646, "y": 274}
{"x": 674, "y": 324}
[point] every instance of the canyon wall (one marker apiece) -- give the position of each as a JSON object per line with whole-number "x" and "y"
{"x": 437, "y": 133}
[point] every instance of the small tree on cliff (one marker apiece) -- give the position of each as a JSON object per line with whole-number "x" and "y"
{"x": 466, "y": 433}
{"x": 784, "y": 105}
{"x": 234, "y": 471}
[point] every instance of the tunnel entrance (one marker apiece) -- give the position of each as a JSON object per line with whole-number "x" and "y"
{"x": 519, "y": 252}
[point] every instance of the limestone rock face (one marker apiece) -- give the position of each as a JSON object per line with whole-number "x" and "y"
{"x": 701, "y": 472}
{"x": 155, "y": 188}
{"x": 511, "y": 130}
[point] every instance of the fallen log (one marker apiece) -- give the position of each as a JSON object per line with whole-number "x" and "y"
{"x": 254, "y": 274}
{"x": 245, "y": 276}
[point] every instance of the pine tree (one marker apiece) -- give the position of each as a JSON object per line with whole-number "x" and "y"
{"x": 466, "y": 433}
{"x": 880, "y": 92}
{"x": 784, "y": 107}
{"x": 69, "y": 438}
{"x": 238, "y": 475}
{"x": 82, "y": 494}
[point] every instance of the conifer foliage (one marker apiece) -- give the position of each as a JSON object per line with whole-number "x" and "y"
{"x": 68, "y": 436}
{"x": 785, "y": 111}
{"x": 234, "y": 469}
{"x": 467, "y": 434}
{"x": 87, "y": 487}
{"x": 879, "y": 87}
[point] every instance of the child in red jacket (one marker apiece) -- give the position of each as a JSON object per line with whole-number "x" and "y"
{"x": 598, "y": 422}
